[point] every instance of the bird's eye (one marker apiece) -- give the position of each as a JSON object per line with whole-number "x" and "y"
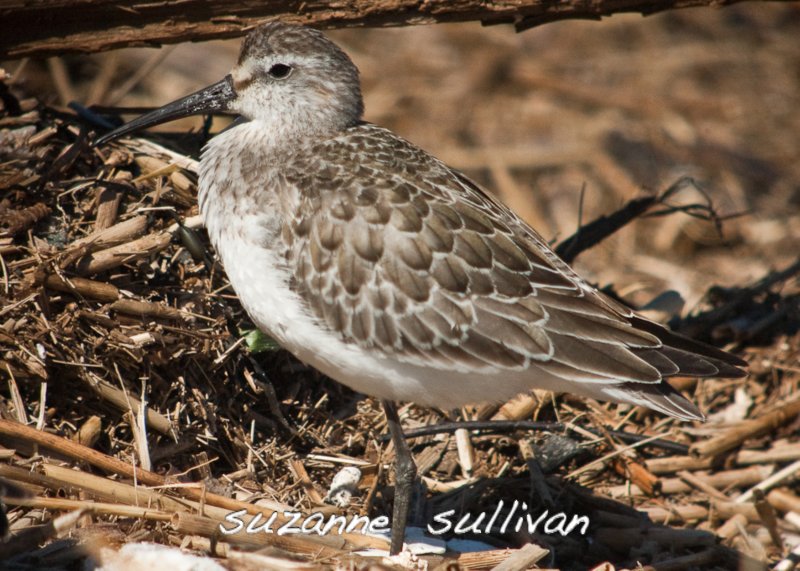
{"x": 280, "y": 71}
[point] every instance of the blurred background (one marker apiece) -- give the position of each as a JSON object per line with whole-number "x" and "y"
{"x": 565, "y": 122}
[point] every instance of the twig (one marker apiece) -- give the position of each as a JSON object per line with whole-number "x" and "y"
{"x": 325, "y": 546}
{"x": 510, "y": 426}
{"x": 302, "y": 476}
{"x": 613, "y": 454}
{"x": 62, "y": 504}
{"x": 734, "y": 436}
{"x": 603, "y": 227}
{"x": 146, "y": 309}
{"x": 141, "y": 72}
{"x": 701, "y": 485}
{"x": 110, "y": 258}
{"x": 767, "y": 514}
{"x": 776, "y": 479}
{"x": 784, "y": 500}
{"x": 117, "y": 398}
{"x": 16, "y": 397}
{"x": 719, "y": 481}
{"x": 731, "y": 527}
{"x": 90, "y": 289}
{"x": 523, "y": 558}
{"x": 115, "y": 235}
{"x": 638, "y": 474}
{"x": 42, "y": 405}
{"x": 61, "y": 81}
{"x": 17, "y": 221}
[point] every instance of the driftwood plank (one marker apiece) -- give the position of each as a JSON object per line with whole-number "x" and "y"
{"x": 61, "y": 26}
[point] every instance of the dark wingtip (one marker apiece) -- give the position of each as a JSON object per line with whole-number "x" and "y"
{"x": 694, "y": 358}
{"x": 664, "y": 398}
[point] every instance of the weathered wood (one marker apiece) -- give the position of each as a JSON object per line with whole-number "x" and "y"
{"x": 50, "y": 27}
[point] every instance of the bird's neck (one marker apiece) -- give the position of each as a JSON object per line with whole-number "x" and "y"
{"x": 239, "y": 172}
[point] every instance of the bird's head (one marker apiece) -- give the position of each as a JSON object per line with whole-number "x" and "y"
{"x": 291, "y": 78}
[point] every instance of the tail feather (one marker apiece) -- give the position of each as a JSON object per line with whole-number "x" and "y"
{"x": 678, "y": 355}
{"x": 687, "y": 345}
{"x": 657, "y": 396}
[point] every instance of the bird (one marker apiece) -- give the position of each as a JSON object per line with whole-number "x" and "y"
{"x": 388, "y": 271}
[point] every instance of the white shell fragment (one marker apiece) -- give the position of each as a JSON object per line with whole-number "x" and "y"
{"x": 344, "y": 486}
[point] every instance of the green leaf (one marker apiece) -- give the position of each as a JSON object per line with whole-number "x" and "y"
{"x": 258, "y": 342}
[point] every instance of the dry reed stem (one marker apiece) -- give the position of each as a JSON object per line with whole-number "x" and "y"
{"x": 638, "y": 474}
{"x": 32, "y": 478}
{"x": 672, "y": 464}
{"x": 120, "y": 233}
{"x": 523, "y": 406}
{"x": 717, "y": 481}
{"x": 768, "y": 517}
{"x": 731, "y": 527}
{"x": 90, "y": 289}
{"x": 109, "y": 490}
{"x": 701, "y": 484}
{"x": 676, "y": 513}
{"x": 302, "y": 476}
{"x": 107, "y": 209}
{"x": 109, "y": 464}
{"x": 473, "y": 561}
{"x": 776, "y": 454}
{"x": 523, "y": 558}
{"x": 124, "y": 402}
{"x": 110, "y": 258}
{"x": 89, "y": 432}
{"x": 61, "y": 504}
{"x": 733, "y": 437}
{"x": 775, "y": 479}
{"x": 466, "y": 453}
{"x": 784, "y": 500}
{"x": 147, "y": 309}
{"x": 262, "y": 561}
{"x": 310, "y": 545}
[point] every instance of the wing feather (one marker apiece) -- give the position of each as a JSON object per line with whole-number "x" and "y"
{"x": 421, "y": 265}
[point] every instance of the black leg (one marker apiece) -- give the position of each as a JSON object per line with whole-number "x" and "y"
{"x": 405, "y": 472}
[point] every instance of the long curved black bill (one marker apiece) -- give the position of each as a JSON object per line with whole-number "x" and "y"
{"x": 216, "y": 97}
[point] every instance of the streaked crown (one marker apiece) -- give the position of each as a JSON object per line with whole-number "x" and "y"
{"x": 296, "y": 80}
